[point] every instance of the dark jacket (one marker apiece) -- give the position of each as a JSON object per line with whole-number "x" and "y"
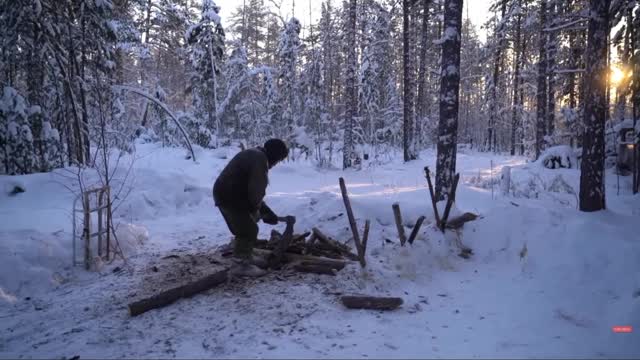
{"x": 243, "y": 182}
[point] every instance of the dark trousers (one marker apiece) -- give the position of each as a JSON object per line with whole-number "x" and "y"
{"x": 244, "y": 227}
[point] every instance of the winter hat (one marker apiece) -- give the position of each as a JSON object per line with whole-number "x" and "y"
{"x": 276, "y": 150}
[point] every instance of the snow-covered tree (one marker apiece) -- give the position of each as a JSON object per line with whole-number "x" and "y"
{"x": 206, "y": 50}
{"x": 288, "y": 57}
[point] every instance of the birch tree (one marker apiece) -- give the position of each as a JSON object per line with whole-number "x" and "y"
{"x": 449, "y": 89}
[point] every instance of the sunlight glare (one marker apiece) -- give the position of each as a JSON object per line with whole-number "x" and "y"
{"x": 617, "y": 75}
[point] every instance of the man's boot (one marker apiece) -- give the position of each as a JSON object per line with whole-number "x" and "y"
{"x": 245, "y": 267}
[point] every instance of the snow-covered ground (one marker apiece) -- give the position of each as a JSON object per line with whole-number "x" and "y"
{"x": 545, "y": 280}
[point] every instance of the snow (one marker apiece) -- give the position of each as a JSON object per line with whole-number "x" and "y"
{"x": 545, "y": 280}
{"x": 558, "y": 156}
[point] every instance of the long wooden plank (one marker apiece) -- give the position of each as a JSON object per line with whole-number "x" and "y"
{"x": 170, "y": 296}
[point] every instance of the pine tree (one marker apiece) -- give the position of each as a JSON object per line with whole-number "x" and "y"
{"x": 288, "y": 57}
{"x": 592, "y": 189}
{"x": 348, "y": 149}
{"x": 541, "y": 98}
{"x": 206, "y": 50}
{"x": 408, "y": 84}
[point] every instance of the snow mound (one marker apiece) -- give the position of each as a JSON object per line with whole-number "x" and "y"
{"x": 131, "y": 237}
{"x": 561, "y": 156}
{"x": 31, "y": 262}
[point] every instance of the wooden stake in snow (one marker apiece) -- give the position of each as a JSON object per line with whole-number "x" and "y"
{"x": 398, "y": 218}
{"x": 450, "y": 199}
{"x": 416, "y": 229}
{"x": 505, "y": 180}
{"x": 352, "y": 222}
{"x": 427, "y": 174}
{"x": 371, "y": 302}
{"x": 365, "y": 237}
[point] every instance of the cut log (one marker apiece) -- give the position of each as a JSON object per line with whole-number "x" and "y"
{"x": 457, "y": 222}
{"x": 318, "y": 267}
{"x": 398, "y": 218}
{"x": 352, "y": 222}
{"x": 416, "y": 229}
{"x": 167, "y": 297}
{"x": 371, "y": 302}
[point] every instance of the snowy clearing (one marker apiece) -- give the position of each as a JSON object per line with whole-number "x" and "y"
{"x": 545, "y": 280}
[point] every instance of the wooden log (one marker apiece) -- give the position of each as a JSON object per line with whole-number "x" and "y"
{"x": 352, "y": 222}
{"x": 290, "y": 258}
{"x": 427, "y": 174}
{"x": 371, "y": 302}
{"x": 416, "y": 229}
{"x": 398, "y": 218}
{"x": 450, "y": 199}
{"x": 167, "y": 297}
{"x": 275, "y": 260}
{"x": 318, "y": 267}
{"x": 457, "y": 222}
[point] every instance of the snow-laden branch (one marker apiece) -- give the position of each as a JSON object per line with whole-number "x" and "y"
{"x": 162, "y": 106}
{"x": 565, "y": 25}
{"x": 568, "y": 71}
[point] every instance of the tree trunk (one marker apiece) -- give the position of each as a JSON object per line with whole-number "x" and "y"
{"x": 421, "y": 105}
{"x": 351, "y": 91}
{"x": 516, "y": 84}
{"x": 552, "y": 43}
{"x": 493, "y": 104}
{"x": 623, "y": 87}
{"x": 449, "y": 90}
{"x": 635, "y": 99}
{"x": 541, "y": 93}
{"x": 592, "y": 189}
{"x": 408, "y": 86}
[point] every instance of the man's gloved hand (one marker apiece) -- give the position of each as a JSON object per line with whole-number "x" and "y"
{"x": 267, "y": 215}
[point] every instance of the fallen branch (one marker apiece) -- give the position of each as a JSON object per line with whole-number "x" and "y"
{"x": 352, "y": 222}
{"x": 398, "y": 218}
{"x": 371, "y": 302}
{"x": 416, "y": 229}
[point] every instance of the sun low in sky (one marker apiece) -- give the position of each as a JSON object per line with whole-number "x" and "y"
{"x": 617, "y": 75}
